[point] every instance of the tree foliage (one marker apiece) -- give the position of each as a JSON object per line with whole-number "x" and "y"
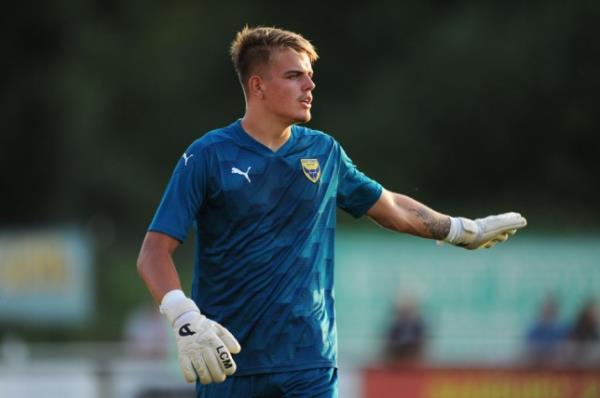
{"x": 466, "y": 105}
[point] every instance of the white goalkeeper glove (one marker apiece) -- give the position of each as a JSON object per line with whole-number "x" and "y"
{"x": 204, "y": 347}
{"x": 483, "y": 232}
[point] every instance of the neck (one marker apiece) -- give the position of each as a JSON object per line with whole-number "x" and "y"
{"x": 269, "y": 131}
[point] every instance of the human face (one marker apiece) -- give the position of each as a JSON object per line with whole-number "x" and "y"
{"x": 287, "y": 87}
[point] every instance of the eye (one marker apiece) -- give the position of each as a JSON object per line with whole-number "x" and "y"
{"x": 294, "y": 74}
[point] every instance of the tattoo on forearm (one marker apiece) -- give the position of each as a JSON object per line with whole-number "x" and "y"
{"x": 437, "y": 227}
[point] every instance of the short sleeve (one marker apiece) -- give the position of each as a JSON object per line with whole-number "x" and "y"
{"x": 183, "y": 197}
{"x": 356, "y": 192}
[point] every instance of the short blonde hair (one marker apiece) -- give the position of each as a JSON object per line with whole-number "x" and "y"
{"x": 253, "y": 47}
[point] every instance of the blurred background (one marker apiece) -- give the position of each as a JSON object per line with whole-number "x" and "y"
{"x": 472, "y": 107}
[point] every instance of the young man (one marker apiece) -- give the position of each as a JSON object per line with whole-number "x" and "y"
{"x": 262, "y": 195}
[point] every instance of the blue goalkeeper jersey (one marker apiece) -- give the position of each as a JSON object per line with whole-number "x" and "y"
{"x": 265, "y": 226}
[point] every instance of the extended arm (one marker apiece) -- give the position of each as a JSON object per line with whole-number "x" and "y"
{"x": 403, "y": 214}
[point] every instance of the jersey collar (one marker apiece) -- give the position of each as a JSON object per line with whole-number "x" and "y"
{"x": 248, "y": 141}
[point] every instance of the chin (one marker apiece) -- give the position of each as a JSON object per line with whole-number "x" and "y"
{"x": 304, "y": 118}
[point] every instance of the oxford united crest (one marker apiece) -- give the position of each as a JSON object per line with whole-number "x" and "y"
{"x": 311, "y": 169}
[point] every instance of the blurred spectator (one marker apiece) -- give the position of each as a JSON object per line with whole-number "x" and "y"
{"x": 546, "y": 335}
{"x": 405, "y": 339}
{"x": 585, "y": 328}
{"x": 584, "y": 349}
{"x": 146, "y": 333}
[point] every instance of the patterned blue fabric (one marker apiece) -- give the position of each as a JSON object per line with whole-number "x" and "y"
{"x": 265, "y": 225}
{"x": 313, "y": 383}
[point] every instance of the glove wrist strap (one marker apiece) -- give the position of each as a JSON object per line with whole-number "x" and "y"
{"x": 175, "y": 303}
{"x": 455, "y": 228}
{"x": 463, "y": 231}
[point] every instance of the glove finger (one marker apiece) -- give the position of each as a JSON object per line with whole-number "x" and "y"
{"x": 188, "y": 370}
{"x": 202, "y": 370}
{"x": 230, "y": 367}
{"x": 490, "y": 244}
{"x": 226, "y": 361}
{"x": 497, "y": 239}
{"x": 501, "y": 238}
{"x": 504, "y": 222}
{"x": 220, "y": 347}
{"x": 230, "y": 342}
{"x": 515, "y": 219}
{"x": 213, "y": 364}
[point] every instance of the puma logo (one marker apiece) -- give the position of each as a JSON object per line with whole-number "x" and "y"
{"x": 186, "y": 158}
{"x": 235, "y": 170}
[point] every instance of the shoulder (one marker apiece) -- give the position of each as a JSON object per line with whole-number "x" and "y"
{"x": 207, "y": 148}
{"x": 212, "y": 140}
{"x": 314, "y": 136}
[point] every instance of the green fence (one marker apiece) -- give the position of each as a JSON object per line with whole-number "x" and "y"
{"x": 478, "y": 305}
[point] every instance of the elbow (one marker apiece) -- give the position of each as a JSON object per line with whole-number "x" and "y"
{"x": 392, "y": 211}
{"x": 142, "y": 263}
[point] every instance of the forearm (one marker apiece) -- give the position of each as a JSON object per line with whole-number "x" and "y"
{"x": 421, "y": 220}
{"x": 156, "y": 267}
{"x": 404, "y": 214}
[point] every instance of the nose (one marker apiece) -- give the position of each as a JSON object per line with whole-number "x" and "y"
{"x": 309, "y": 84}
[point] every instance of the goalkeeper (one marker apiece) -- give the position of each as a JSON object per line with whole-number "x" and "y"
{"x": 262, "y": 194}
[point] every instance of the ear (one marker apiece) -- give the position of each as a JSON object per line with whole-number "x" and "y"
{"x": 255, "y": 87}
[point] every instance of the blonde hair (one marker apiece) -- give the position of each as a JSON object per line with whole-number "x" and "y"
{"x": 253, "y": 47}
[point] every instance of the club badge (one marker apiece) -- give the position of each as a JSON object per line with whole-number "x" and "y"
{"x": 311, "y": 169}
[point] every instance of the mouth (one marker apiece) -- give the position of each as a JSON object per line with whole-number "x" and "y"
{"x": 307, "y": 102}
